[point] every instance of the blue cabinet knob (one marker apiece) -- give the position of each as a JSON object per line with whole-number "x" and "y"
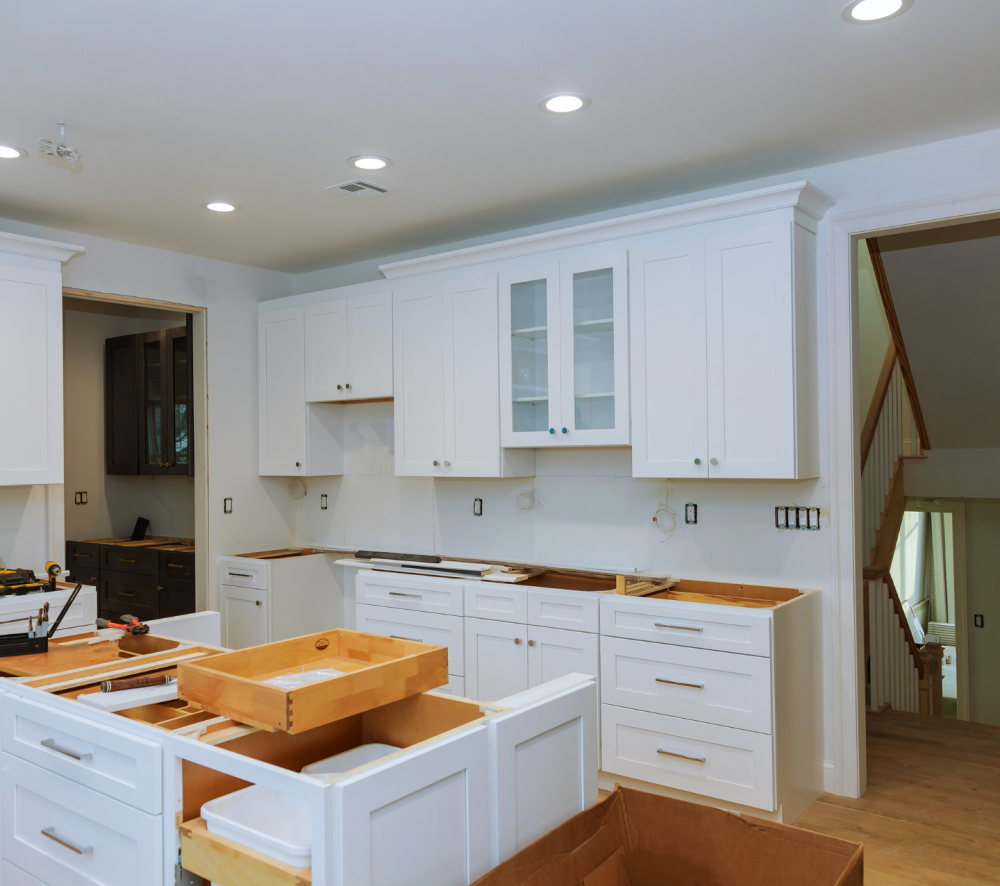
{"x": 564, "y": 430}
{"x": 552, "y": 430}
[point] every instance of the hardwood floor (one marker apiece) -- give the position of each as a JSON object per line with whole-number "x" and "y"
{"x": 931, "y": 814}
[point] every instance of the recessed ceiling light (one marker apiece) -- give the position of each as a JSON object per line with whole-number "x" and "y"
{"x": 9, "y": 152}
{"x": 220, "y": 206}
{"x": 863, "y": 12}
{"x": 564, "y": 103}
{"x": 369, "y": 162}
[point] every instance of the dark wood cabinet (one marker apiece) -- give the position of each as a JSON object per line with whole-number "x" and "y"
{"x": 148, "y": 386}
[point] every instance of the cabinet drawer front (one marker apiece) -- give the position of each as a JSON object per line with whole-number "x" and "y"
{"x": 86, "y": 575}
{"x": 728, "y": 629}
{"x": 82, "y": 554}
{"x": 572, "y": 610}
{"x": 80, "y": 615}
{"x": 491, "y": 599}
{"x": 454, "y": 686}
{"x": 424, "y": 627}
{"x": 14, "y": 876}
{"x": 122, "y": 766}
{"x": 697, "y": 684}
{"x": 241, "y": 573}
{"x": 140, "y": 561}
{"x": 713, "y": 761}
{"x": 177, "y": 564}
{"x": 123, "y": 592}
{"x": 64, "y": 833}
{"x": 443, "y": 596}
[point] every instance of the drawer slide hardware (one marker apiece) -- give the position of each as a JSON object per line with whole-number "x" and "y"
{"x": 401, "y": 594}
{"x": 50, "y": 743}
{"x": 52, "y": 835}
{"x": 679, "y": 683}
{"x": 658, "y": 624}
{"x": 680, "y": 756}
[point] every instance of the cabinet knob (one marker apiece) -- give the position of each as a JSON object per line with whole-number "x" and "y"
{"x": 340, "y": 387}
{"x": 257, "y": 602}
{"x": 347, "y": 386}
{"x": 697, "y": 461}
{"x": 447, "y": 464}
{"x": 564, "y": 430}
{"x": 552, "y": 430}
{"x": 714, "y": 461}
{"x": 531, "y": 642}
{"x": 517, "y": 641}
{"x": 435, "y": 463}
{"x": 298, "y": 464}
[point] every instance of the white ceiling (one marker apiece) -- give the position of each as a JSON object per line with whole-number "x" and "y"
{"x": 261, "y": 103}
{"x": 946, "y": 291}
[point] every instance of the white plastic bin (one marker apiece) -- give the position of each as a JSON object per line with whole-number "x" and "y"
{"x": 335, "y": 766}
{"x": 273, "y": 824}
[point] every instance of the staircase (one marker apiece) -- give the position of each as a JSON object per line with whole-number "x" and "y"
{"x": 901, "y": 673}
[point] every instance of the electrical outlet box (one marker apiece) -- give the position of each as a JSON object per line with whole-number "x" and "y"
{"x": 691, "y": 513}
{"x": 792, "y": 517}
{"x": 322, "y": 502}
{"x": 978, "y": 621}
{"x": 477, "y": 507}
{"x": 227, "y": 506}
{"x": 80, "y": 498}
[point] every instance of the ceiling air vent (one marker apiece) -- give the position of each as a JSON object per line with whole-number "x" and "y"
{"x": 359, "y": 189}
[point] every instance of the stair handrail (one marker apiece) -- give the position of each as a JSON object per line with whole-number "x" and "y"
{"x": 878, "y": 401}
{"x": 876, "y": 573}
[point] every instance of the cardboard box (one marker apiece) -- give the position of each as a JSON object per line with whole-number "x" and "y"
{"x": 634, "y": 838}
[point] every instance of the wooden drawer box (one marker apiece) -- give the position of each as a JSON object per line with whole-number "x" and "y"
{"x": 137, "y": 560}
{"x": 177, "y": 563}
{"x": 421, "y": 627}
{"x": 125, "y": 592}
{"x": 376, "y": 671}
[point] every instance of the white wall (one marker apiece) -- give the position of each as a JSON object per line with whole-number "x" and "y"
{"x": 873, "y": 333}
{"x": 262, "y": 508}
{"x": 113, "y": 501}
{"x": 954, "y": 473}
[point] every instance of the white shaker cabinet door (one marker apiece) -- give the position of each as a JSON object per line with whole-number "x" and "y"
{"x": 669, "y": 363}
{"x": 471, "y": 378}
{"x": 529, "y": 344}
{"x": 496, "y": 658}
{"x": 281, "y": 393}
{"x": 245, "y": 617}
{"x": 369, "y": 346}
{"x": 32, "y": 392}
{"x": 418, "y": 385}
{"x": 326, "y": 350}
{"x": 554, "y": 653}
{"x": 417, "y": 819}
{"x": 751, "y": 353}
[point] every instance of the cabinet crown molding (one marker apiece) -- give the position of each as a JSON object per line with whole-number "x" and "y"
{"x": 798, "y": 195}
{"x": 18, "y": 244}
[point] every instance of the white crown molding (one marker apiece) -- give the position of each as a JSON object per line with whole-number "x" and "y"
{"x": 18, "y": 244}
{"x": 797, "y": 195}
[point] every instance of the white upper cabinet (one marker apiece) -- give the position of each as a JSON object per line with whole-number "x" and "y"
{"x": 723, "y": 355}
{"x": 31, "y": 320}
{"x": 564, "y": 354}
{"x": 296, "y": 438}
{"x": 669, "y": 363}
{"x": 447, "y": 407}
{"x": 348, "y": 348}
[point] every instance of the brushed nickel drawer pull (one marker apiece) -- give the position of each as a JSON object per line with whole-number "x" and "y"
{"x": 123, "y": 560}
{"x": 678, "y": 683}
{"x": 680, "y": 756}
{"x": 401, "y": 637}
{"x": 401, "y": 594}
{"x": 50, "y": 743}
{"x": 52, "y": 835}
{"x": 677, "y": 627}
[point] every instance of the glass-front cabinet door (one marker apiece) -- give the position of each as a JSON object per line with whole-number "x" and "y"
{"x": 529, "y": 357}
{"x": 594, "y": 321}
{"x": 164, "y": 402}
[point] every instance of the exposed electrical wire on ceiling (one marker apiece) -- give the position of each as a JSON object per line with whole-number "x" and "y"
{"x": 62, "y": 151}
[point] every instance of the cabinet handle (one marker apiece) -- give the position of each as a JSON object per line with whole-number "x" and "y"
{"x": 52, "y": 835}
{"x": 400, "y": 637}
{"x": 166, "y": 464}
{"x": 50, "y": 743}
{"x": 713, "y": 461}
{"x": 697, "y": 461}
{"x": 257, "y": 602}
{"x": 677, "y": 627}
{"x": 159, "y": 587}
{"x": 435, "y": 463}
{"x": 175, "y": 566}
{"x": 82, "y": 556}
{"x": 552, "y": 430}
{"x": 517, "y": 641}
{"x": 401, "y": 594}
{"x": 677, "y": 683}
{"x": 564, "y": 430}
{"x": 340, "y": 387}
{"x": 447, "y": 464}
{"x": 681, "y": 756}
{"x": 347, "y": 386}
{"x": 531, "y": 642}
{"x": 298, "y": 464}
{"x": 240, "y": 575}
{"x": 123, "y": 560}
{"x": 126, "y": 593}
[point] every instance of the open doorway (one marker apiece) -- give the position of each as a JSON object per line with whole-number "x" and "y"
{"x": 134, "y": 452}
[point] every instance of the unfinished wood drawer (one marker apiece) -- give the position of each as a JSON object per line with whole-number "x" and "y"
{"x": 726, "y": 628}
{"x": 498, "y": 601}
{"x": 441, "y": 595}
{"x": 697, "y": 684}
{"x": 714, "y": 761}
{"x": 114, "y": 763}
{"x": 241, "y": 572}
{"x": 375, "y": 671}
{"x": 66, "y": 834}
{"x": 421, "y": 627}
{"x": 219, "y": 860}
{"x": 570, "y": 610}
{"x": 454, "y": 686}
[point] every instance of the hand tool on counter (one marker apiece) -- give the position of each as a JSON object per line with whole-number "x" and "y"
{"x": 136, "y": 682}
{"x": 128, "y": 623}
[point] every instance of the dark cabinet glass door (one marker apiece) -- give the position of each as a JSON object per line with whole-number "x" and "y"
{"x": 165, "y": 438}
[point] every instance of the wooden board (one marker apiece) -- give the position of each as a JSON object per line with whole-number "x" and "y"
{"x": 387, "y": 670}
{"x": 228, "y": 864}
